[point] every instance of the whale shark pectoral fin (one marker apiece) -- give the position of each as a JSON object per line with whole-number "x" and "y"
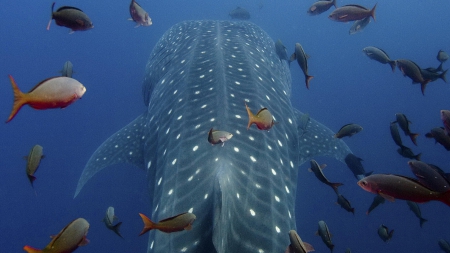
{"x": 125, "y": 146}
{"x": 318, "y": 140}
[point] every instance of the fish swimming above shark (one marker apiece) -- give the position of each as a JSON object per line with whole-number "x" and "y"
{"x": 198, "y": 77}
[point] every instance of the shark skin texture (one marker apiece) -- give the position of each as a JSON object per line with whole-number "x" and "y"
{"x": 199, "y": 76}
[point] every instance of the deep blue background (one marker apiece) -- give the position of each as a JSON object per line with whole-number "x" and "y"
{"x": 110, "y": 59}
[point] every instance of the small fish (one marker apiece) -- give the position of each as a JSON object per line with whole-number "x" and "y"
{"x": 354, "y": 164}
{"x": 445, "y": 117}
{"x": 139, "y": 15}
{"x": 442, "y": 56}
{"x": 216, "y": 136}
{"x": 440, "y": 136}
{"x": 109, "y": 220}
{"x": 176, "y": 223}
{"x": 302, "y": 60}
{"x": 352, "y": 12}
{"x": 416, "y": 210}
{"x": 377, "y": 200}
{"x": 395, "y": 134}
{"x": 384, "y": 233}
{"x": 54, "y": 92}
{"x": 67, "y": 70}
{"x": 239, "y": 13}
{"x": 319, "y": 174}
{"x": 408, "y": 153}
{"x": 393, "y": 187}
{"x": 66, "y": 241}
{"x": 70, "y": 17}
{"x": 432, "y": 75}
{"x": 412, "y": 70}
{"x": 348, "y": 130}
{"x": 444, "y": 245}
{"x": 324, "y": 233}
{"x": 430, "y": 176}
{"x": 380, "y": 56}
{"x": 281, "y": 51}
{"x": 359, "y": 25}
{"x": 297, "y": 245}
{"x": 263, "y": 119}
{"x": 403, "y": 122}
{"x": 344, "y": 203}
{"x": 321, "y": 6}
{"x": 33, "y": 161}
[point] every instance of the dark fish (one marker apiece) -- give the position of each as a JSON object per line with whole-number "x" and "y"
{"x": 139, "y": 15}
{"x": 239, "y": 13}
{"x": 109, "y": 221}
{"x": 281, "y": 51}
{"x": 354, "y": 164}
{"x": 412, "y": 70}
{"x": 344, "y": 203}
{"x": 352, "y": 12}
{"x": 408, "y": 153}
{"x": 33, "y": 161}
{"x": 416, "y": 210}
{"x": 67, "y": 70}
{"x": 432, "y": 74}
{"x": 430, "y": 176}
{"x": 348, "y": 130}
{"x": 176, "y": 223}
{"x": 359, "y": 25}
{"x": 445, "y": 117}
{"x": 297, "y": 245}
{"x": 302, "y": 59}
{"x": 439, "y": 135}
{"x": 393, "y": 187}
{"x": 379, "y": 55}
{"x": 384, "y": 233}
{"x": 67, "y": 240}
{"x": 442, "y": 56}
{"x": 444, "y": 245}
{"x": 216, "y": 136}
{"x": 319, "y": 174}
{"x": 321, "y": 6}
{"x": 70, "y": 17}
{"x": 395, "y": 134}
{"x": 377, "y": 200}
{"x": 263, "y": 119}
{"x": 436, "y": 70}
{"x": 403, "y": 122}
{"x": 325, "y": 234}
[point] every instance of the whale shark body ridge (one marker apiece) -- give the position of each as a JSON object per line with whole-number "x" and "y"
{"x": 198, "y": 77}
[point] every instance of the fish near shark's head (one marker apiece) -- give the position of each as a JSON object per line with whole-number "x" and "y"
{"x": 200, "y": 76}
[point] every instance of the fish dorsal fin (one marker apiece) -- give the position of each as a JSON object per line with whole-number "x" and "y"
{"x": 67, "y": 8}
{"x": 41, "y": 82}
{"x": 261, "y": 110}
{"x": 356, "y": 5}
{"x": 171, "y": 218}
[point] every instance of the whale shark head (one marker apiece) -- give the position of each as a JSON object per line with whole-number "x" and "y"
{"x": 200, "y": 76}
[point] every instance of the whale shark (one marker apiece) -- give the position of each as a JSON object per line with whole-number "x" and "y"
{"x": 199, "y": 76}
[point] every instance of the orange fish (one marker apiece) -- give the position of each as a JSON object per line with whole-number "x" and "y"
{"x": 54, "y": 92}
{"x": 263, "y": 119}
{"x": 68, "y": 240}
{"x": 176, "y": 223}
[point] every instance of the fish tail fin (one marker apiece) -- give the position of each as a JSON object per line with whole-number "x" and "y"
{"x": 308, "y": 78}
{"x": 439, "y": 68}
{"x": 335, "y": 186}
{"x": 31, "y": 249}
{"x": 19, "y": 99}
{"x": 372, "y": 12}
{"x": 393, "y": 65}
{"x": 391, "y": 234}
{"x": 442, "y": 75}
{"x": 148, "y": 224}
{"x": 423, "y": 85}
{"x": 422, "y": 221}
{"x": 116, "y": 229}
{"x": 51, "y": 17}
{"x": 251, "y": 116}
{"x": 334, "y": 3}
{"x": 413, "y": 137}
{"x": 445, "y": 198}
{"x": 417, "y": 157}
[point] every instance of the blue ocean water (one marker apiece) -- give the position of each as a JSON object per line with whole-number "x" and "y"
{"x": 110, "y": 59}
